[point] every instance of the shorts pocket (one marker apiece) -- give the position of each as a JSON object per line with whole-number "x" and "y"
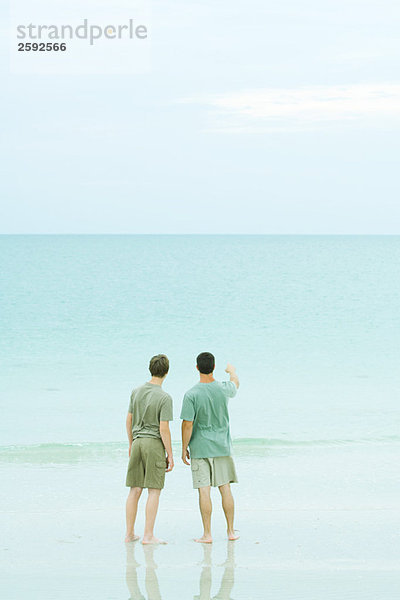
{"x": 195, "y": 466}
{"x": 161, "y": 464}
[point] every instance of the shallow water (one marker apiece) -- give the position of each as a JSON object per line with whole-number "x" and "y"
{"x": 312, "y": 323}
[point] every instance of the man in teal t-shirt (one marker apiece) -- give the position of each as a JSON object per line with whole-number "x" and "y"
{"x": 205, "y": 431}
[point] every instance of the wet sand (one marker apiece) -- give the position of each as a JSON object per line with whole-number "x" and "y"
{"x": 63, "y": 526}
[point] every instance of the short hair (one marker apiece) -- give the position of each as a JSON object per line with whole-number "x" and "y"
{"x": 159, "y": 365}
{"x": 205, "y": 363}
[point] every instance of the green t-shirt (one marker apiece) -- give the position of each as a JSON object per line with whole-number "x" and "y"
{"x": 149, "y": 405}
{"x": 206, "y": 404}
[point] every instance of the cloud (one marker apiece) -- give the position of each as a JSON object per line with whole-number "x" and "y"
{"x": 300, "y": 108}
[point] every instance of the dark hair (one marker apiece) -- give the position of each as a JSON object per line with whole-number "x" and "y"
{"x": 159, "y": 365}
{"x": 205, "y": 363}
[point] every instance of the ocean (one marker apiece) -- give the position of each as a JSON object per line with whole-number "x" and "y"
{"x": 312, "y": 324}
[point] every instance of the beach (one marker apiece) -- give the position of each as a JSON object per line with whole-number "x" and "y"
{"x": 314, "y": 521}
{"x": 312, "y": 325}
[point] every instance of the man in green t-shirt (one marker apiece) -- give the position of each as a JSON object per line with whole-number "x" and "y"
{"x": 147, "y": 426}
{"x": 205, "y": 431}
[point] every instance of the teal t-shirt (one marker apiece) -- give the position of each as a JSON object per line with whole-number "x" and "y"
{"x": 206, "y": 404}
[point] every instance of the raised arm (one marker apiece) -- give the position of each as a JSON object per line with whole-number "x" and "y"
{"x": 129, "y": 430}
{"x": 187, "y": 428}
{"x": 166, "y": 440}
{"x": 231, "y": 370}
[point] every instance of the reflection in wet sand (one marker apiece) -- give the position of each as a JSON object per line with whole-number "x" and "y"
{"x": 228, "y": 577}
{"x": 151, "y": 580}
{"x": 205, "y": 582}
{"x": 131, "y": 573}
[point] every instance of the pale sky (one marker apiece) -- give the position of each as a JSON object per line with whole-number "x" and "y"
{"x": 254, "y": 117}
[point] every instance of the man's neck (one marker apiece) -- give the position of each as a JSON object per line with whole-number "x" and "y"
{"x": 157, "y": 380}
{"x": 206, "y": 378}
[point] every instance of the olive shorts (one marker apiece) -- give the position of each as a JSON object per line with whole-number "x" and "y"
{"x": 215, "y": 471}
{"x": 147, "y": 464}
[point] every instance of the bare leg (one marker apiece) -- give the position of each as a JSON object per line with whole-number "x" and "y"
{"x": 229, "y": 509}
{"x": 205, "y": 510}
{"x": 131, "y": 512}
{"x": 151, "y": 513}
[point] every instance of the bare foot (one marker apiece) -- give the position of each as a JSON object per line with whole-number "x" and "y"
{"x": 232, "y": 535}
{"x": 152, "y": 540}
{"x": 131, "y": 538}
{"x": 205, "y": 539}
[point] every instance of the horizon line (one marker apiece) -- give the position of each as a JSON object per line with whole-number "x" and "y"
{"x": 358, "y": 234}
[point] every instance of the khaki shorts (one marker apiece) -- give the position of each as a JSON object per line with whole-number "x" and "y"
{"x": 147, "y": 464}
{"x": 213, "y": 471}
